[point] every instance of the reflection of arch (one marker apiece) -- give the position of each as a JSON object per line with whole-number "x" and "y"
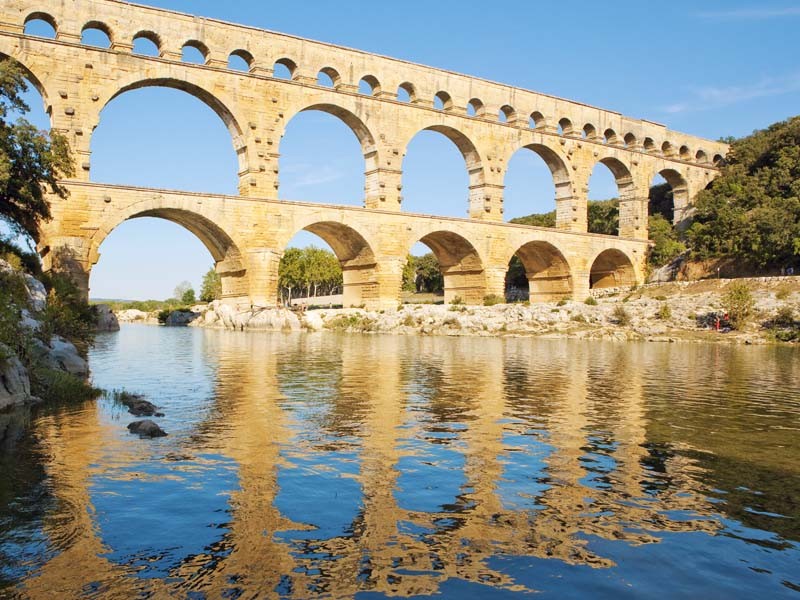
{"x": 611, "y": 268}
{"x": 359, "y": 267}
{"x": 228, "y": 258}
{"x": 548, "y": 272}
{"x": 558, "y": 168}
{"x": 461, "y": 266}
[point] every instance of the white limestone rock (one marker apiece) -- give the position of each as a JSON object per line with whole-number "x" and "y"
{"x": 106, "y": 319}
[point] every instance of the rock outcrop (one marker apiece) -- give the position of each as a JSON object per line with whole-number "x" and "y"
{"x": 106, "y": 319}
{"x": 15, "y": 387}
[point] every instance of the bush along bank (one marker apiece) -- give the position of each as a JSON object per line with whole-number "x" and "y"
{"x": 45, "y": 330}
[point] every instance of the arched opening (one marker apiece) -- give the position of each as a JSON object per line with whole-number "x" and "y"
{"x": 182, "y": 246}
{"x": 442, "y": 101}
{"x": 669, "y": 196}
{"x": 369, "y": 86}
{"x": 284, "y": 68}
{"x": 538, "y": 272}
{"x": 537, "y": 120}
{"x": 507, "y": 114}
{"x": 649, "y": 145}
{"x": 565, "y": 127}
{"x": 610, "y": 137}
{"x": 309, "y": 271}
{"x": 240, "y": 60}
{"x": 701, "y": 157}
{"x": 610, "y": 185}
{"x": 194, "y": 52}
{"x": 630, "y": 141}
{"x": 96, "y": 34}
{"x": 406, "y": 92}
{"x": 685, "y": 153}
{"x": 475, "y": 108}
{"x": 535, "y": 179}
{"x": 38, "y": 115}
{"x": 667, "y": 149}
{"x": 147, "y": 43}
{"x": 41, "y": 24}
{"x": 328, "y": 77}
{"x": 612, "y": 268}
{"x": 325, "y": 153}
{"x": 440, "y": 166}
{"x": 461, "y": 268}
{"x": 589, "y": 131}
{"x": 719, "y": 160}
{"x": 165, "y": 134}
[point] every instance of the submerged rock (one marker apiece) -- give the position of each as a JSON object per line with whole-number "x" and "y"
{"x": 138, "y": 406}
{"x": 146, "y": 428}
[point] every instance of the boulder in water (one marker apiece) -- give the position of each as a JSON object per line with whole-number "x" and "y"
{"x": 138, "y": 406}
{"x": 146, "y": 428}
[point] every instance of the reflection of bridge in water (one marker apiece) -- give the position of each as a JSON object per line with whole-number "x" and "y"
{"x": 597, "y": 477}
{"x": 247, "y": 234}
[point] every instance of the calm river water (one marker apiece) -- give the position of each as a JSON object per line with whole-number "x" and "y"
{"x": 371, "y": 466}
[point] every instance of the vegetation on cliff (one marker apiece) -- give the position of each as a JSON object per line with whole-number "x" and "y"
{"x": 752, "y": 211}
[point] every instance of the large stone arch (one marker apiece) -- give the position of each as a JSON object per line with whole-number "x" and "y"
{"x": 359, "y": 128}
{"x": 469, "y": 151}
{"x": 356, "y": 257}
{"x": 461, "y": 264}
{"x": 556, "y": 162}
{"x": 34, "y": 80}
{"x": 548, "y": 271}
{"x": 220, "y": 108}
{"x": 611, "y": 268}
{"x": 229, "y": 261}
{"x": 680, "y": 194}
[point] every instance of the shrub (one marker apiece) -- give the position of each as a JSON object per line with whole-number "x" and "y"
{"x": 664, "y": 312}
{"x": 590, "y": 301}
{"x": 163, "y": 315}
{"x": 59, "y": 386}
{"x": 738, "y": 299}
{"x": 457, "y": 301}
{"x": 782, "y": 293}
{"x": 493, "y": 299}
{"x": 661, "y": 297}
{"x": 562, "y": 302}
{"x": 784, "y": 317}
{"x": 578, "y": 318}
{"x": 621, "y": 316}
{"x": 67, "y": 313}
{"x": 409, "y": 321}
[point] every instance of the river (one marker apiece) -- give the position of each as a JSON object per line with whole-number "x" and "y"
{"x": 302, "y": 465}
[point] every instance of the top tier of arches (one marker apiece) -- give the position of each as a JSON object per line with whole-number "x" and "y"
{"x": 175, "y": 36}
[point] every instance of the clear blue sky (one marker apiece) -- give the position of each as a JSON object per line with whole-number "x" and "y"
{"x": 712, "y": 69}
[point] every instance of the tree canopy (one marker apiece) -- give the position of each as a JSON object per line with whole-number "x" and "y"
{"x": 752, "y": 211}
{"x": 309, "y": 272}
{"x": 31, "y": 161}
{"x": 211, "y": 288}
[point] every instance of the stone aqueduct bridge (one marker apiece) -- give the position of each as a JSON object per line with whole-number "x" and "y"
{"x": 247, "y": 234}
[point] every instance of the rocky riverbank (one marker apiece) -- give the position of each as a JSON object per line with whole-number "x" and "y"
{"x": 34, "y": 360}
{"x": 664, "y": 312}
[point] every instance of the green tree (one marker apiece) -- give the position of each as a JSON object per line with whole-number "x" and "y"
{"x": 211, "y": 288}
{"x": 752, "y": 211}
{"x": 603, "y": 216}
{"x": 537, "y": 220}
{"x": 428, "y": 274}
{"x": 661, "y": 201}
{"x": 184, "y": 293}
{"x": 667, "y": 246}
{"x": 410, "y": 275}
{"x": 31, "y": 161}
{"x": 308, "y": 272}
